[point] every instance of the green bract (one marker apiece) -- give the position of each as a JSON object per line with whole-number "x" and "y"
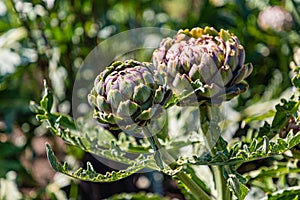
{"x": 209, "y": 62}
{"x": 128, "y": 94}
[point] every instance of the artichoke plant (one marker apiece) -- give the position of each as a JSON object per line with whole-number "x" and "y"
{"x": 203, "y": 65}
{"x": 127, "y": 95}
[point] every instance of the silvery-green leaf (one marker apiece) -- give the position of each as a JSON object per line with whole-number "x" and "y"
{"x": 90, "y": 174}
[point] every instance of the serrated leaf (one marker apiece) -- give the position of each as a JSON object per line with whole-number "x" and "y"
{"x": 234, "y": 149}
{"x": 47, "y": 100}
{"x": 52, "y": 160}
{"x": 35, "y": 108}
{"x": 266, "y": 130}
{"x": 264, "y": 149}
{"x": 90, "y": 174}
{"x": 282, "y": 145}
{"x": 283, "y": 113}
{"x": 65, "y": 121}
{"x": 137, "y": 196}
{"x": 293, "y": 140}
{"x": 287, "y": 193}
{"x": 253, "y": 145}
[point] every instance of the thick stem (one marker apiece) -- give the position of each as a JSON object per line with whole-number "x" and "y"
{"x": 161, "y": 156}
{"x": 221, "y": 184}
{"x": 156, "y": 146}
{"x": 192, "y": 186}
{"x": 209, "y": 118}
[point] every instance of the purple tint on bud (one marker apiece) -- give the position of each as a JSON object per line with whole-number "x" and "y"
{"x": 126, "y": 93}
{"x": 206, "y": 55}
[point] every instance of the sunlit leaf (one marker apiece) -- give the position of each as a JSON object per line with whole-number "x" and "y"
{"x": 287, "y": 193}
{"x": 90, "y": 174}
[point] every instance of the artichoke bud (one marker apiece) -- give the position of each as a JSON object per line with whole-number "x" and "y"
{"x": 275, "y": 18}
{"x": 215, "y": 58}
{"x": 127, "y": 95}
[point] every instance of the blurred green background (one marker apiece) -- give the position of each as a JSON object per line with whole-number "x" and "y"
{"x": 49, "y": 40}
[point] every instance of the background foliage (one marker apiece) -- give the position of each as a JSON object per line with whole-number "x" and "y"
{"x": 49, "y": 40}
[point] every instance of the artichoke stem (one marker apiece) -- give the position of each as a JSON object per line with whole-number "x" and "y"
{"x": 156, "y": 146}
{"x": 209, "y": 119}
{"x": 161, "y": 154}
{"x": 193, "y": 186}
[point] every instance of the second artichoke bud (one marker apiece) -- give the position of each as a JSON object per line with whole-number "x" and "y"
{"x": 209, "y": 62}
{"x": 128, "y": 94}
